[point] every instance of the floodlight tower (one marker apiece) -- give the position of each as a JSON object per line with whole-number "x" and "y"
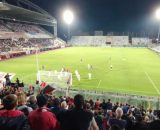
{"x": 158, "y": 18}
{"x": 68, "y": 18}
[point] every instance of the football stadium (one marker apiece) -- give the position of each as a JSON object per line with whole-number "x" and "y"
{"x": 114, "y": 76}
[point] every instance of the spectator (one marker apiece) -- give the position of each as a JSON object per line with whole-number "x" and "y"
{"x": 115, "y": 127}
{"x": 125, "y": 109}
{"x": 10, "y": 118}
{"x": 151, "y": 115}
{"x": 109, "y": 105}
{"x": 42, "y": 118}
{"x": 155, "y": 125}
{"x": 8, "y": 81}
{"x": 56, "y": 109}
{"x": 77, "y": 118}
{"x": 140, "y": 124}
{"x": 17, "y": 83}
{"x": 103, "y": 105}
{"x": 97, "y": 104}
{"x": 115, "y": 106}
{"x": 118, "y": 121}
{"x": 64, "y": 106}
{"x": 22, "y": 101}
{"x": 33, "y": 102}
{"x": 99, "y": 119}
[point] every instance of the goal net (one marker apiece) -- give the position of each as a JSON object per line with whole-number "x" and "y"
{"x": 60, "y": 79}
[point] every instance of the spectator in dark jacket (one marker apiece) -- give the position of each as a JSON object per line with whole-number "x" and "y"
{"x": 155, "y": 125}
{"x": 56, "y": 109}
{"x": 118, "y": 121}
{"x": 109, "y": 105}
{"x": 10, "y": 118}
{"x": 77, "y": 118}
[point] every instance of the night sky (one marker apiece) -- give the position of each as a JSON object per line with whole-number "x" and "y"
{"x": 107, "y": 15}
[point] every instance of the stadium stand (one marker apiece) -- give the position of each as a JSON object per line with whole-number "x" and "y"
{"x": 22, "y": 33}
{"x": 88, "y": 40}
{"x": 3, "y": 28}
{"x": 140, "y": 41}
{"x": 99, "y": 40}
{"x": 117, "y": 40}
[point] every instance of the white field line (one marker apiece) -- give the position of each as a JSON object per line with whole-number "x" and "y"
{"x": 151, "y": 81}
{"x": 99, "y": 84}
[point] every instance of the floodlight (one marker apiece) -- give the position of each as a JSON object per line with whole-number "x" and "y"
{"x": 158, "y": 14}
{"x": 68, "y": 17}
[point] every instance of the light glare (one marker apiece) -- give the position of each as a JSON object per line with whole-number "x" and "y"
{"x": 68, "y": 17}
{"x": 158, "y": 14}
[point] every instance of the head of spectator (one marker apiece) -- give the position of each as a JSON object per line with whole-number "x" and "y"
{"x": 42, "y": 100}
{"x": 88, "y": 106}
{"x": 10, "y": 102}
{"x": 56, "y": 102}
{"x": 32, "y": 102}
{"x": 32, "y": 99}
{"x": 64, "y": 105}
{"x": 119, "y": 113}
{"x": 79, "y": 101}
{"x": 22, "y": 103}
{"x": 146, "y": 119}
{"x": 22, "y": 98}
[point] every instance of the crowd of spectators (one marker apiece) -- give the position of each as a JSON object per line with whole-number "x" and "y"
{"x": 3, "y": 28}
{"x": 26, "y": 111}
{"x": 18, "y": 27}
{"x": 17, "y": 36}
{"x": 9, "y": 44}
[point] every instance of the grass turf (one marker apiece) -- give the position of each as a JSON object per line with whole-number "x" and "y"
{"x": 135, "y": 70}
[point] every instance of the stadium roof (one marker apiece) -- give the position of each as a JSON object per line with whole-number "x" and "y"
{"x": 15, "y": 13}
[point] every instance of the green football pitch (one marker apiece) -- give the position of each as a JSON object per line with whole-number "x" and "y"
{"x": 134, "y": 70}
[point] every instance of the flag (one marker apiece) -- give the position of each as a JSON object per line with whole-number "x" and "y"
{"x": 48, "y": 89}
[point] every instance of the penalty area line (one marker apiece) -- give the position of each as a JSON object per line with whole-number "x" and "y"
{"x": 153, "y": 84}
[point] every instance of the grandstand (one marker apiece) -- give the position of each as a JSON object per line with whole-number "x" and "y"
{"x": 21, "y": 28}
{"x": 88, "y": 40}
{"x": 141, "y": 41}
{"x": 109, "y": 41}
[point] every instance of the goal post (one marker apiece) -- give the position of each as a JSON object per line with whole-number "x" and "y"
{"x": 60, "y": 79}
